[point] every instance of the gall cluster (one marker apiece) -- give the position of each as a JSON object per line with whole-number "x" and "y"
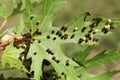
{"x": 27, "y": 38}
{"x": 109, "y": 26}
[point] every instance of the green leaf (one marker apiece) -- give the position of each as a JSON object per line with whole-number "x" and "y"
{"x": 10, "y": 56}
{"x": 78, "y": 21}
{"x": 50, "y": 7}
{"x": 20, "y": 27}
{"x": 37, "y": 51}
{"x": 117, "y": 23}
{"x": 81, "y": 58}
{"x": 102, "y": 58}
{"x": 106, "y": 76}
{"x": 29, "y": 8}
{"x": 85, "y": 75}
{"x": 28, "y": 13}
{"x": 3, "y": 11}
{"x": 17, "y": 7}
{"x": 37, "y": 59}
{"x": 49, "y": 10}
{"x": 83, "y": 54}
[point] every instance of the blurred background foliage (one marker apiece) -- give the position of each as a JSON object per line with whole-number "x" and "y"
{"x": 105, "y": 8}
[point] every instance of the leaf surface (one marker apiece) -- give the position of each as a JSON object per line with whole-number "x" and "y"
{"x": 10, "y": 56}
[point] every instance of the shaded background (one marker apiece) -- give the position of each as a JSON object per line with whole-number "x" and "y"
{"x": 105, "y": 8}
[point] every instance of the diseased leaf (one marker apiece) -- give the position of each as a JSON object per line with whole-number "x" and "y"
{"x": 44, "y": 41}
{"x": 60, "y": 67}
{"x": 38, "y": 50}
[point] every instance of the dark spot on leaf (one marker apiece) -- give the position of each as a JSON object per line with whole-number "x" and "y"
{"x": 33, "y": 39}
{"x": 52, "y": 32}
{"x": 54, "y": 38}
{"x": 39, "y": 41}
{"x": 80, "y": 40}
{"x": 91, "y": 37}
{"x": 79, "y": 76}
{"x": 52, "y": 52}
{"x": 27, "y": 35}
{"x": 37, "y": 32}
{"x": 64, "y": 28}
{"x": 30, "y": 30}
{"x": 75, "y": 29}
{"x": 72, "y": 36}
{"x": 48, "y": 36}
{"x": 91, "y": 30}
{"x": 87, "y": 35}
{"x": 95, "y": 39}
{"x": 86, "y": 40}
{"x": 67, "y": 63}
{"x": 62, "y": 37}
{"x": 63, "y": 73}
{"x": 31, "y": 17}
{"x": 66, "y": 35}
{"x": 48, "y": 50}
{"x": 93, "y": 25}
{"x": 57, "y": 60}
{"x": 35, "y": 53}
{"x": 105, "y": 29}
{"x": 83, "y": 29}
{"x": 53, "y": 57}
{"x": 46, "y": 62}
{"x": 94, "y": 32}
{"x": 38, "y": 22}
{"x": 59, "y": 33}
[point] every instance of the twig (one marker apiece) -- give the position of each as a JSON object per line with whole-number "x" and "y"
{"x": 3, "y": 24}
